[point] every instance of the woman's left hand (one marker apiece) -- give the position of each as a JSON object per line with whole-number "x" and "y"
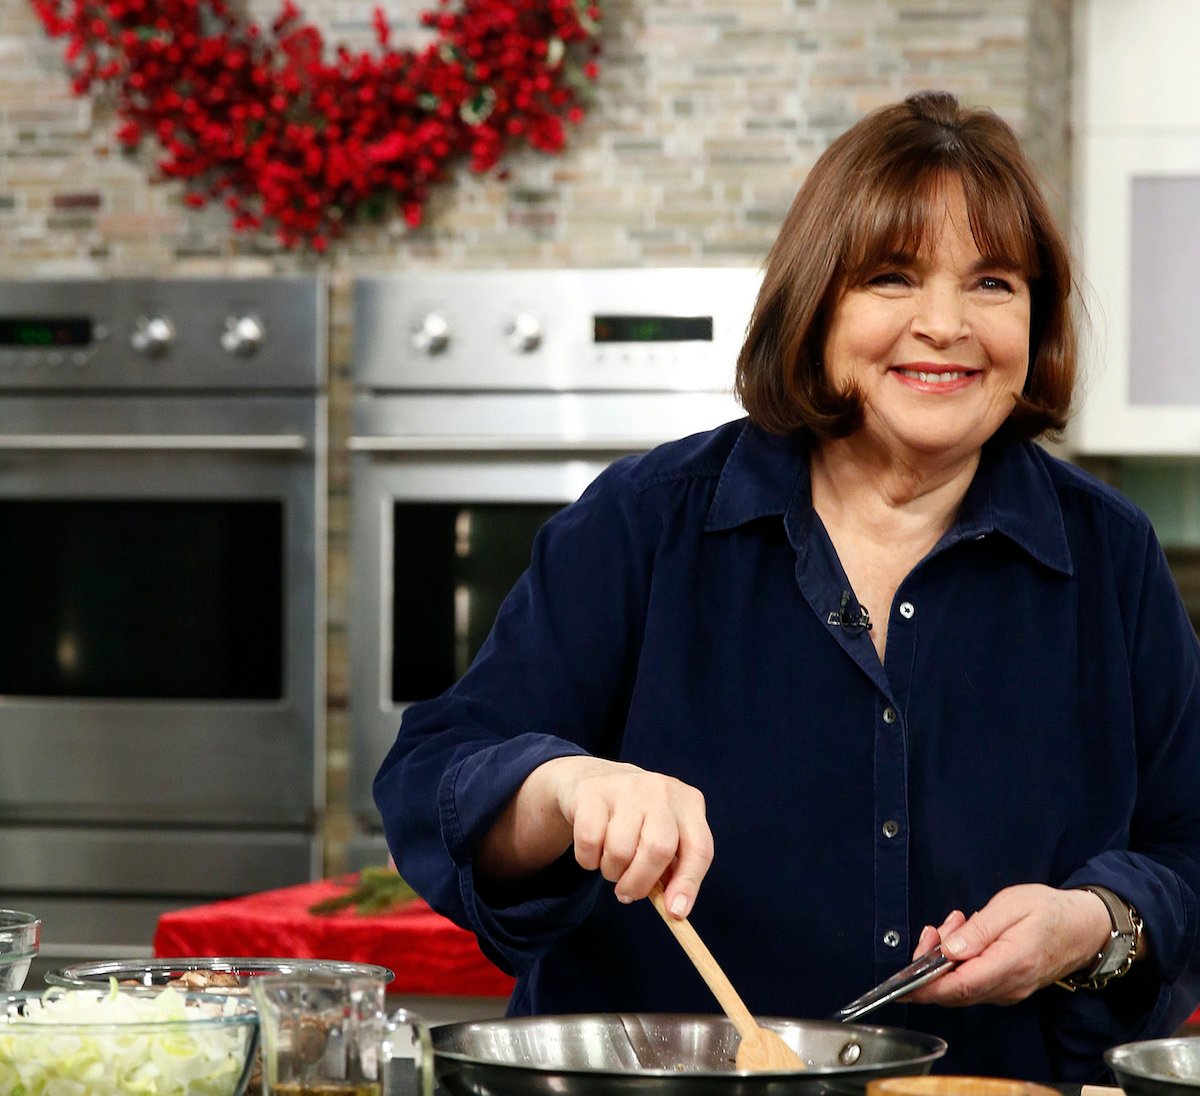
{"x": 1026, "y": 937}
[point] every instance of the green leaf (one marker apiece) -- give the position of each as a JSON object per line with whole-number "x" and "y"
{"x": 586, "y": 21}
{"x": 479, "y": 107}
{"x": 377, "y": 890}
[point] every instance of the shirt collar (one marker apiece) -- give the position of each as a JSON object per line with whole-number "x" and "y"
{"x": 1011, "y": 494}
{"x": 759, "y": 478}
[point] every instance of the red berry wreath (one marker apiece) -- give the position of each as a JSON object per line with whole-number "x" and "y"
{"x": 291, "y": 140}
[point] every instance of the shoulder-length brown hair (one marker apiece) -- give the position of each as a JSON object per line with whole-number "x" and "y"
{"x": 872, "y": 195}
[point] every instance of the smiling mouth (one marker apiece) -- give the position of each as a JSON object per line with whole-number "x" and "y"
{"x": 943, "y": 376}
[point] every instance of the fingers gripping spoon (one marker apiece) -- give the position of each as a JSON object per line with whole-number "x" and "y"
{"x": 760, "y": 1049}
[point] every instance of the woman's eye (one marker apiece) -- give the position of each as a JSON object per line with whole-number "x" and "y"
{"x": 995, "y": 285}
{"x": 888, "y": 278}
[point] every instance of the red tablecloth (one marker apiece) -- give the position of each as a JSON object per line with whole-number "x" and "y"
{"x": 428, "y": 954}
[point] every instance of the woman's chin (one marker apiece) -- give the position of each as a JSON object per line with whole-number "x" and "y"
{"x": 936, "y": 442}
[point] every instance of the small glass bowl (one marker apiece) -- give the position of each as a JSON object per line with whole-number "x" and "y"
{"x": 159, "y": 972}
{"x": 20, "y": 936}
{"x": 221, "y": 1039}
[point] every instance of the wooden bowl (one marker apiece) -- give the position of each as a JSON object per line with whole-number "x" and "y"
{"x": 956, "y": 1086}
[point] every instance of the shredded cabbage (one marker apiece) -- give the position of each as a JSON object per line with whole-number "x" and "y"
{"x": 145, "y": 1049}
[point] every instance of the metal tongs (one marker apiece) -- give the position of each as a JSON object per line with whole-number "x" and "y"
{"x": 917, "y": 973}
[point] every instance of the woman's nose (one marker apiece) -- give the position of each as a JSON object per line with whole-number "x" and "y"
{"x": 940, "y": 316}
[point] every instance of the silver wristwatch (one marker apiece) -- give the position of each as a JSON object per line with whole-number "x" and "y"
{"x": 1118, "y": 955}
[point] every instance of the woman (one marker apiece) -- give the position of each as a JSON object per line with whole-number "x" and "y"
{"x": 840, "y": 672}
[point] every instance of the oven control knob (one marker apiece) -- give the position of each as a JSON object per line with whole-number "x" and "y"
{"x": 152, "y": 336}
{"x": 433, "y": 334}
{"x": 523, "y": 332}
{"x": 243, "y": 335}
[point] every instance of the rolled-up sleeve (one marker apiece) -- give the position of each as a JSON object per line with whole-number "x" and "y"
{"x": 1154, "y": 862}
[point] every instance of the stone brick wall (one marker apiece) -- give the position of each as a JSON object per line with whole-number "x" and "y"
{"x": 706, "y": 118}
{"x": 707, "y": 115}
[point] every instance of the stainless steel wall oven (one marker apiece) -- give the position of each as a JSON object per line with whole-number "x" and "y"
{"x": 162, "y": 452}
{"x": 484, "y": 402}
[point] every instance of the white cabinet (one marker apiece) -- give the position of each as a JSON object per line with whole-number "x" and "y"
{"x": 1137, "y": 212}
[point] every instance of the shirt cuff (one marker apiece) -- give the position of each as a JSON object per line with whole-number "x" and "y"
{"x": 1166, "y": 906}
{"x": 517, "y": 923}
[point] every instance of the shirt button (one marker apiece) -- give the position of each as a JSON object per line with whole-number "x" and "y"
{"x": 891, "y": 827}
{"x": 889, "y": 715}
{"x": 891, "y": 938}
{"x": 907, "y": 610}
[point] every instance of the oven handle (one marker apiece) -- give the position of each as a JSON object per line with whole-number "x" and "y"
{"x": 274, "y": 443}
{"x": 506, "y": 443}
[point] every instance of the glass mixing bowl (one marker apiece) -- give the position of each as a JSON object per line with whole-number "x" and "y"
{"x": 236, "y": 972}
{"x": 20, "y": 935}
{"x": 160, "y": 972}
{"x": 154, "y": 1044}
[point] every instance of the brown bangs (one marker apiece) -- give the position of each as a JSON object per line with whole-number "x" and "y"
{"x": 893, "y": 221}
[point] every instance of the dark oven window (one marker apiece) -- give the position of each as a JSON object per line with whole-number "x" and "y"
{"x": 454, "y": 564}
{"x": 142, "y": 599}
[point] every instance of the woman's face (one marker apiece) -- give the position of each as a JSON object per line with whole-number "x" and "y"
{"x": 938, "y": 346}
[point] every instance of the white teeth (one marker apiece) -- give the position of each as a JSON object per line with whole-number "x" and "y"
{"x": 934, "y": 378}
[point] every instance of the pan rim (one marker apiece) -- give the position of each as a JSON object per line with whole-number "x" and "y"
{"x": 931, "y": 1048}
{"x": 1118, "y": 1059}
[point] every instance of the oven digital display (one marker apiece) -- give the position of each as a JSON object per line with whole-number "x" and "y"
{"x": 652, "y": 329}
{"x": 34, "y": 331}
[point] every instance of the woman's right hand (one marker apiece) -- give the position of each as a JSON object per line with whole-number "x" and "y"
{"x": 634, "y": 827}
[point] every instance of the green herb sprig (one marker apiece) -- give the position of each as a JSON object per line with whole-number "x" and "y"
{"x": 376, "y": 890}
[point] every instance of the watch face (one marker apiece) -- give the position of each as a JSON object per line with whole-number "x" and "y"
{"x": 1124, "y": 936}
{"x": 1115, "y": 953}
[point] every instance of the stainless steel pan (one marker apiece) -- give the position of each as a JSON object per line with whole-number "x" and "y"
{"x": 645, "y": 1054}
{"x": 1157, "y": 1067}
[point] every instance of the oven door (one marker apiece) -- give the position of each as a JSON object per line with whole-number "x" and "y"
{"x": 161, "y": 620}
{"x": 447, "y": 495}
{"x": 438, "y": 542}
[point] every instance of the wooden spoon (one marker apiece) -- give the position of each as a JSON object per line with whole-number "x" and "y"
{"x": 760, "y": 1048}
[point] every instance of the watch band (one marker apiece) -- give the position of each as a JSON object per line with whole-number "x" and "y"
{"x": 1118, "y": 955}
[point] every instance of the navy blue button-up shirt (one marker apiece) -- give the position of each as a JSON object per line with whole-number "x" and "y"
{"x": 1036, "y": 719}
